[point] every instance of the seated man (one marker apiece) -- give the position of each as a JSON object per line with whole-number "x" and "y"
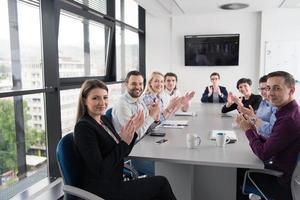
{"x": 129, "y": 104}
{"x": 214, "y": 93}
{"x": 283, "y": 145}
{"x": 264, "y": 118}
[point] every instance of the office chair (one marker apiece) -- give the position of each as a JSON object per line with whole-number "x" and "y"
{"x": 70, "y": 166}
{"x": 295, "y": 181}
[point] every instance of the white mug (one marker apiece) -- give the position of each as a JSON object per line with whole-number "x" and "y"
{"x": 192, "y": 141}
{"x": 222, "y": 139}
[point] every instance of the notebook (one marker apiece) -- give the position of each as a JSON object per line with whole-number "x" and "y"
{"x": 231, "y": 134}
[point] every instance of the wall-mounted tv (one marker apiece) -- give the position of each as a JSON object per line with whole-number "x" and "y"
{"x": 211, "y": 50}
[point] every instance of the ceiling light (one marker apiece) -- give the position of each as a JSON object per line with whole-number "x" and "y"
{"x": 234, "y": 6}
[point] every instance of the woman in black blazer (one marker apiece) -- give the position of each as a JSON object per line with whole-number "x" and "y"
{"x": 103, "y": 150}
{"x": 214, "y": 93}
{"x": 248, "y": 99}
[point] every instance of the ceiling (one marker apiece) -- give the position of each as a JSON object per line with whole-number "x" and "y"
{"x": 194, "y": 7}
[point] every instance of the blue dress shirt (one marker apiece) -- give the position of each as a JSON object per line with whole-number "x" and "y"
{"x": 266, "y": 112}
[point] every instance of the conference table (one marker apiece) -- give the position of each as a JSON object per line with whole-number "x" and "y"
{"x": 207, "y": 172}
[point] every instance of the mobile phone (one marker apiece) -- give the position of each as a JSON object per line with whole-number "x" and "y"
{"x": 161, "y": 141}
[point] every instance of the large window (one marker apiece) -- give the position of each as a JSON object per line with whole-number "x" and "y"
{"x": 22, "y": 121}
{"x": 48, "y": 48}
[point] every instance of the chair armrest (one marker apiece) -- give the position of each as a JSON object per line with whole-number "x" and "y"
{"x": 83, "y": 194}
{"x": 134, "y": 173}
{"x": 266, "y": 171}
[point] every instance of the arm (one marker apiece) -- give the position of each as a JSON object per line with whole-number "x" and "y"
{"x": 223, "y": 99}
{"x": 204, "y": 98}
{"x": 265, "y": 127}
{"x": 283, "y": 135}
{"x": 231, "y": 107}
{"x": 86, "y": 141}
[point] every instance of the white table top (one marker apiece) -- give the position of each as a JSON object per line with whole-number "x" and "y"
{"x": 208, "y": 118}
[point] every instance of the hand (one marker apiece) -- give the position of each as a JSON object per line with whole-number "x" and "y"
{"x": 244, "y": 122}
{"x": 247, "y": 111}
{"x": 230, "y": 98}
{"x": 139, "y": 119}
{"x": 174, "y": 105}
{"x": 237, "y": 101}
{"x": 127, "y": 131}
{"x": 217, "y": 90}
{"x": 154, "y": 110}
{"x": 187, "y": 97}
{"x": 210, "y": 91}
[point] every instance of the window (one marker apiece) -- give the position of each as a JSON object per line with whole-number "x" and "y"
{"x": 127, "y": 52}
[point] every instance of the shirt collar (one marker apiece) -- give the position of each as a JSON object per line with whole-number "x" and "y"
{"x": 130, "y": 99}
{"x": 287, "y": 108}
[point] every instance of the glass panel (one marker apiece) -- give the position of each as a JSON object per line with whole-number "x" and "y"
{"x": 68, "y": 103}
{"x": 114, "y": 92}
{"x": 21, "y": 163}
{"x": 97, "y": 48}
{"x": 5, "y": 59}
{"x": 127, "y": 52}
{"x": 74, "y": 59}
{"x": 129, "y": 14}
{"x": 26, "y": 48}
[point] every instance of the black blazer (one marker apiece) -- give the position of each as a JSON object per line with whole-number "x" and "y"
{"x": 209, "y": 99}
{"x": 103, "y": 158}
{"x": 254, "y": 101}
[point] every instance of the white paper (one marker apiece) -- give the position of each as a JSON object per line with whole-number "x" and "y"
{"x": 175, "y": 123}
{"x": 180, "y": 113}
{"x": 229, "y": 133}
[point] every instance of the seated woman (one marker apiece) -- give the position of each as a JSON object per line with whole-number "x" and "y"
{"x": 214, "y": 93}
{"x": 171, "y": 91}
{"x": 154, "y": 92}
{"x": 247, "y": 98}
{"x": 103, "y": 150}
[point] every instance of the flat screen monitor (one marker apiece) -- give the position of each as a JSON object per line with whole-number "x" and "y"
{"x": 211, "y": 50}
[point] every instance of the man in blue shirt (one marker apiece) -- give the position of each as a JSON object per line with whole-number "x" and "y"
{"x": 264, "y": 118}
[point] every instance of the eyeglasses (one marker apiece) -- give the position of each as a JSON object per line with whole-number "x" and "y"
{"x": 262, "y": 88}
{"x": 274, "y": 89}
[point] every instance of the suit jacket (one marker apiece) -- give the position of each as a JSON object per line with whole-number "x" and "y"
{"x": 103, "y": 158}
{"x": 209, "y": 99}
{"x": 254, "y": 101}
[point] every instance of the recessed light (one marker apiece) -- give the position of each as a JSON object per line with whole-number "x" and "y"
{"x": 234, "y": 6}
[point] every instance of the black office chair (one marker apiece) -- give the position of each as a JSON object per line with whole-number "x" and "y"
{"x": 254, "y": 189}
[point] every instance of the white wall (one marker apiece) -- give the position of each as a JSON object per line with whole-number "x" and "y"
{"x": 280, "y": 25}
{"x": 165, "y": 48}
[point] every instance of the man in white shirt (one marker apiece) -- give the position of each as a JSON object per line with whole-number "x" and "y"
{"x": 130, "y": 103}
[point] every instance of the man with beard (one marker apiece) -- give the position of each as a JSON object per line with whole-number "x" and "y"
{"x": 130, "y": 103}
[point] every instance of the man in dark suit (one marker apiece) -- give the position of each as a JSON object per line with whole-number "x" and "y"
{"x": 214, "y": 93}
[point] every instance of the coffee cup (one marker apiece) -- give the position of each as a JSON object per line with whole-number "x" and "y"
{"x": 192, "y": 141}
{"x": 222, "y": 139}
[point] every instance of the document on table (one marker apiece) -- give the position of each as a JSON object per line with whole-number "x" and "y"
{"x": 174, "y": 123}
{"x": 229, "y": 133}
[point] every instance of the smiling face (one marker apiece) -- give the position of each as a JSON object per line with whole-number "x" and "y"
{"x": 170, "y": 83}
{"x": 245, "y": 89}
{"x": 280, "y": 94}
{"x": 135, "y": 86}
{"x": 157, "y": 83}
{"x": 96, "y": 102}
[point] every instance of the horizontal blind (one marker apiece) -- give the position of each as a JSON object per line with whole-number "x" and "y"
{"x": 98, "y": 5}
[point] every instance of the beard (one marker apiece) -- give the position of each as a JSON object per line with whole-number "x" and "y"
{"x": 135, "y": 93}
